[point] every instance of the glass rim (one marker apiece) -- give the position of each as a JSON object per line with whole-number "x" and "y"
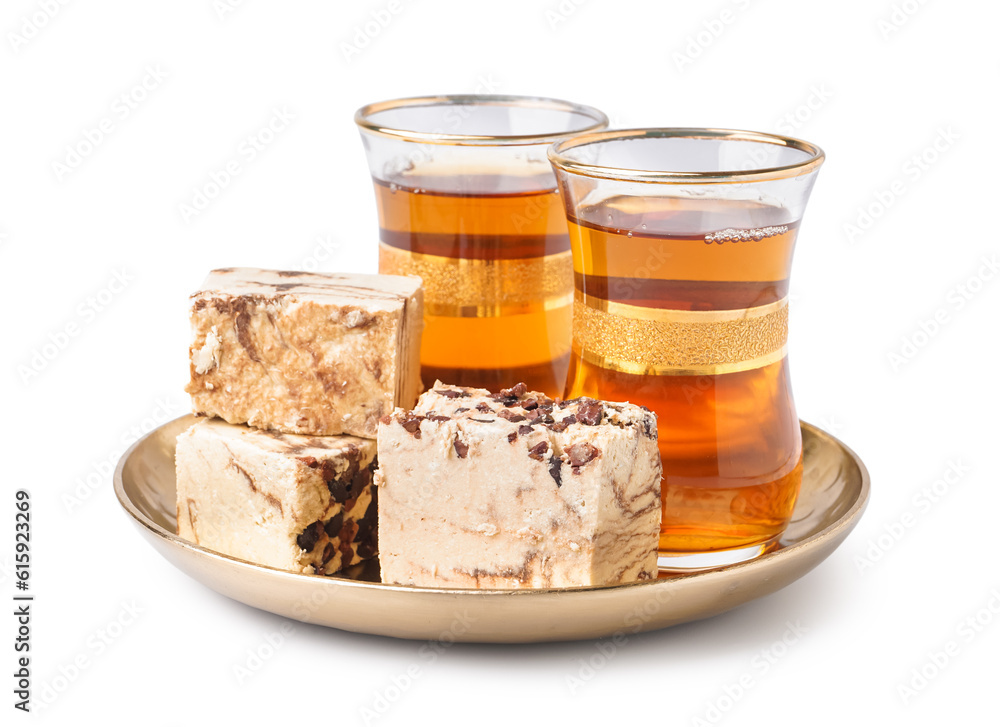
{"x": 559, "y": 159}
{"x": 362, "y": 117}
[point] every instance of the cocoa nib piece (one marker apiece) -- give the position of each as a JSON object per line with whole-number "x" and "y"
{"x": 511, "y": 416}
{"x": 367, "y": 524}
{"x": 334, "y": 524}
{"x": 348, "y": 531}
{"x": 589, "y": 411}
{"x": 451, "y": 393}
{"x": 346, "y": 553}
{"x": 361, "y": 479}
{"x": 439, "y": 418}
{"x": 310, "y": 536}
{"x": 461, "y": 448}
{"x": 524, "y": 429}
{"x": 339, "y": 489}
{"x": 538, "y": 451}
{"x": 309, "y": 462}
{"x": 411, "y": 423}
{"x": 366, "y": 549}
{"x": 529, "y": 404}
{"x": 555, "y": 469}
{"x": 519, "y": 389}
{"x": 581, "y": 453}
{"x": 511, "y": 395}
{"x": 560, "y": 426}
{"x": 460, "y": 409}
{"x": 512, "y": 436}
{"x": 483, "y": 407}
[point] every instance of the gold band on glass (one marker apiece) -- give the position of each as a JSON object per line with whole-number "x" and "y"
{"x": 459, "y": 287}
{"x": 638, "y": 340}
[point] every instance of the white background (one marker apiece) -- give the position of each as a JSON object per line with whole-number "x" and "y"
{"x": 873, "y": 86}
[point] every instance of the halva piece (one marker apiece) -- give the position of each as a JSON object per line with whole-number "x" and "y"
{"x": 300, "y": 503}
{"x": 305, "y": 353}
{"x": 515, "y": 490}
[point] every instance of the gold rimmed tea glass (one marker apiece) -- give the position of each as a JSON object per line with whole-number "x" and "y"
{"x": 467, "y": 200}
{"x": 682, "y": 245}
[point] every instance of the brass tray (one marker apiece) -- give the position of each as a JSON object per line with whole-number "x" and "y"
{"x": 835, "y": 489}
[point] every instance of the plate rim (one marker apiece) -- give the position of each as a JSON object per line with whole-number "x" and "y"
{"x": 845, "y": 521}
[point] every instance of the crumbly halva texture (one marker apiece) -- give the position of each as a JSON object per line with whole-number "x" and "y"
{"x": 300, "y": 503}
{"x": 514, "y": 490}
{"x": 305, "y": 353}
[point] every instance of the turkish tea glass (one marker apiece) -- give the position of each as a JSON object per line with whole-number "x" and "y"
{"x": 682, "y": 245}
{"x": 467, "y": 200}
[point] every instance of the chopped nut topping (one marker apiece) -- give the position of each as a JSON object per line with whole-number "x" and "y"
{"x": 581, "y": 453}
{"x": 451, "y": 393}
{"x": 555, "y": 469}
{"x": 590, "y": 411}
{"x": 511, "y": 417}
{"x": 461, "y": 448}
{"x": 538, "y": 451}
{"x": 560, "y": 426}
{"x": 412, "y": 424}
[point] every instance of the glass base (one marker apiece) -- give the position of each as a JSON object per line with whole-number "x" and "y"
{"x": 694, "y": 562}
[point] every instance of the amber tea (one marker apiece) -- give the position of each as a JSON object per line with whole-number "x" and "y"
{"x": 728, "y": 435}
{"x": 681, "y": 305}
{"x": 498, "y": 277}
{"x": 467, "y": 200}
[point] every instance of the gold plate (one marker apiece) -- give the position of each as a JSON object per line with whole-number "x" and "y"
{"x": 835, "y": 488}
